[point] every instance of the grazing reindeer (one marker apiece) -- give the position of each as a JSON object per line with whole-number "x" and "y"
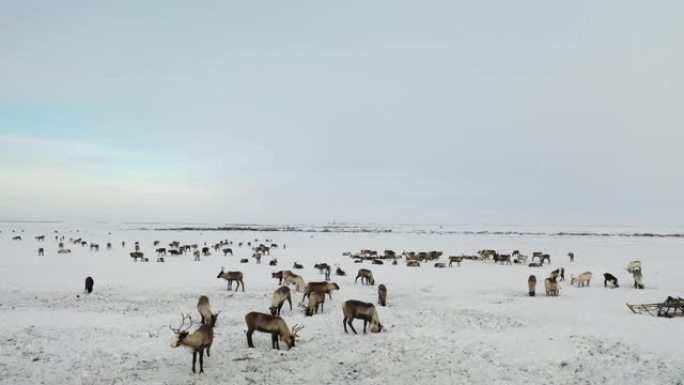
{"x": 41, "y": 252}
{"x": 582, "y": 280}
{"x": 353, "y": 309}
{"x": 456, "y": 259}
{"x": 366, "y": 277}
{"x": 607, "y": 277}
{"x": 323, "y": 268}
{"x": 89, "y": 282}
{"x": 228, "y": 251}
{"x": 208, "y": 316}
{"x": 294, "y": 279}
{"x": 231, "y": 276}
{"x": 273, "y": 325}
{"x": 197, "y": 341}
{"x": 551, "y": 286}
{"x": 321, "y": 287}
{"x": 316, "y": 299}
{"x": 281, "y": 295}
{"x": 531, "y": 285}
{"x": 382, "y": 295}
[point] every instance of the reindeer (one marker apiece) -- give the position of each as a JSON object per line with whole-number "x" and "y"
{"x": 456, "y": 259}
{"x": 197, "y": 341}
{"x": 279, "y": 276}
{"x": 205, "y": 251}
{"x": 366, "y": 276}
{"x": 412, "y": 264}
{"x": 323, "y": 268}
{"x": 227, "y": 251}
{"x": 531, "y": 285}
{"x": 316, "y": 300}
{"x": 340, "y": 272}
{"x": 607, "y": 277}
{"x": 137, "y": 254}
{"x": 582, "y": 280}
{"x": 273, "y": 262}
{"x": 298, "y": 266}
{"x": 322, "y": 287}
{"x": 231, "y": 276}
{"x": 353, "y": 309}
{"x": 294, "y": 279}
{"x": 274, "y": 325}
{"x": 161, "y": 251}
{"x": 571, "y": 256}
{"x": 40, "y": 238}
{"x": 382, "y": 295}
{"x": 638, "y": 278}
{"x": 208, "y": 316}
{"x": 551, "y": 286}
{"x": 41, "y": 252}
{"x": 89, "y": 283}
{"x": 109, "y": 245}
{"x": 281, "y": 295}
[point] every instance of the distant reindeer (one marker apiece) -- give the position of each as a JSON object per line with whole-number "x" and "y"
{"x": 382, "y": 295}
{"x": 197, "y": 341}
{"x": 205, "y": 252}
{"x": 279, "y": 297}
{"x": 298, "y": 266}
{"x": 161, "y": 251}
{"x": 273, "y": 325}
{"x": 41, "y": 252}
{"x": 456, "y": 259}
{"x": 551, "y": 287}
{"x": 610, "y": 278}
{"x": 227, "y": 251}
{"x": 40, "y": 238}
{"x": 204, "y": 308}
{"x": 294, "y": 279}
{"x": 571, "y": 256}
{"x": 273, "y": 262}
{"x": 137, "y": 255}
{"x": 582, "y": 280}
{"x": 89, "y": 283}
{"x": 353, "y": 309}
{"x": 231, "y": 276}
{"x": 531, "y": 285}
{"x": 340, "y": 272}
{"x": 366, "y": 277}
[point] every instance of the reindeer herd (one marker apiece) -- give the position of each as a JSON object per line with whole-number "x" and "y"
{"x": 314, "y": 293}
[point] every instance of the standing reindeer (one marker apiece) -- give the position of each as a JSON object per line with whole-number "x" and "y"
{"x": 208, "y": 316}
{"x": 231, "y": 276}
{"x": 353, "y": 309}
{"x": 281, "y": 295}
{"x": 382, "y": 295}
{"x": 366, "y": 277}
{"x": 273, "y": 325}
{"x": 197, "y": 341}
{"x": 531, "y": 285}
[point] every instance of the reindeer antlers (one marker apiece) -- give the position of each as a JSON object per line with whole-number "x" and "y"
{"x": 296, "y": 328}
{"x": 183, "y": 318}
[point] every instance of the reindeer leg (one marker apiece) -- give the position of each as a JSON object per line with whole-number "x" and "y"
{"x": 194, "y": 358}
{"x": 364, "y": 326}
{"x": 352, "y": 326}
{"x": 249, "y": 338}
{"x": 201, "y": 352}
{"x": 344, "y": 323}
{"x": 243, "y": 286}
{"x": 289, "y": 299}
{"x": 209, "y": 350}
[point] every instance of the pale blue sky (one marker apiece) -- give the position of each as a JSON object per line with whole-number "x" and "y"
{"x": 499, "y": 112}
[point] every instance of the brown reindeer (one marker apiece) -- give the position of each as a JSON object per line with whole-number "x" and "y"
{"x": 316, "y": 300}
{"x": 197, "y": 341}
{"x": 273, "y": 325}
{"x": 353, "y": 309}
{"x": 382, "y": 295}
{"x": 281, "y": 295}
{"x": 231, "y": 276}
{"x": 208, "y": 316}
{"x": 457, "y": 259}
{"x": 366, "y": 277}
{"x": 531, "y": 285}
{"x": 323, "y": 287}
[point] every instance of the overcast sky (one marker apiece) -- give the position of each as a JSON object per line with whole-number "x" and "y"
{"x": 488, "y": 112}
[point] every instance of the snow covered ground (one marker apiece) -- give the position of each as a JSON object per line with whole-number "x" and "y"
{"x": 469, "y": 325}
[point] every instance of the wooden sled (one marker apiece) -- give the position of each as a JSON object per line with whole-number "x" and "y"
{"x": 671, "y": 307}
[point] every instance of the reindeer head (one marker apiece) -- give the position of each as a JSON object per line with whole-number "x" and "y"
{"x": 182, "y": 331}
{"x": 213, "y": 319}
{"x": 220, "y": 274}
{"x": 290, "y": 340}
